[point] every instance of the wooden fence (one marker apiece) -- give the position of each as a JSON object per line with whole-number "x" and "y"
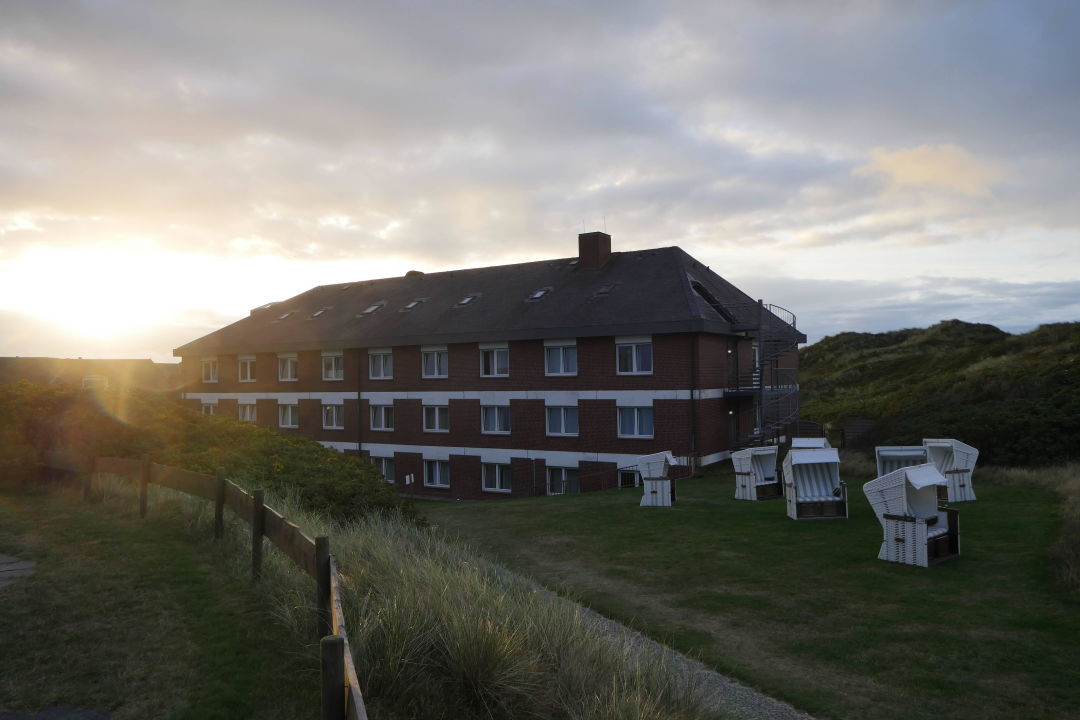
{"x": 341, "y": 697}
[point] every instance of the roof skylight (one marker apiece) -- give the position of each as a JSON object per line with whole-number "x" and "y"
{"x": 319, "y": 312}
{"x": 466, "y": 300}
{"x": 373, "y": 308}
{"x": 538, "y": 294}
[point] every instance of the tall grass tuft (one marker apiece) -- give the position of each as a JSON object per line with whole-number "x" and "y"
{"x": 1064, "y": 480}
{"x": 439, "y": 632}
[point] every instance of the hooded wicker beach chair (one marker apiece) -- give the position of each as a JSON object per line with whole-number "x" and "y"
{"x": 755, "y": 473}
{"x": 812, "y": 484}
{"x": 956, "y": 461}
{"x": 803, "y": 443}
{"x": 915, "y": 531}
{"x": 655, "y": 471}
{"x": 894, "y": 457}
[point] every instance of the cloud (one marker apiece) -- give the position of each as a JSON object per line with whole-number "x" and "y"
{"x": 942, "y": 167}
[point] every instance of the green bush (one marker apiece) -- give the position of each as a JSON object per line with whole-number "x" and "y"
{"x": 87, "y": 424}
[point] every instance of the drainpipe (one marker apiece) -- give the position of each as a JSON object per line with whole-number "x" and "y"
{"x": 760, "y": 412}
{"x": 692, "y": 459}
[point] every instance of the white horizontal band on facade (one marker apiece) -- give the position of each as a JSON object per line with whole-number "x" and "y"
{"x": 565, "y": 342}
{"x": 554, "y": 398}
{"x": 283, "y": 398}
{"x": 501, "y": 456}
{"x": 339, "y": 446}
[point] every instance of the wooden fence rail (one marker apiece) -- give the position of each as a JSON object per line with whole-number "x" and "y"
{"x": 341, "y": 696}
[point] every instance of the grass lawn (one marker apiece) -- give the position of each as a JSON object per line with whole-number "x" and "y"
{"x": 803, "y": 610}
{"x": 138, "y": 618}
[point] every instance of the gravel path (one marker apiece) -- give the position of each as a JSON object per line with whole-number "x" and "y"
{"x": 12, "y": 569}
{"x": 724, "y": 694}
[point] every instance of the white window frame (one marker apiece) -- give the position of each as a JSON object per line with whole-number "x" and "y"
{"x": 333, "y": 417}
{"x": 285, "y": 410}
{"x": 385, "y": 466}
{"x": 563, "y": 411}
{"x": 246, "y": 412}
{"x": 437, "y": 473}
{"x": 245, "y": 368}
{"x": 635, "y": 360}
{"x": 288, "y": 367}
{"x": 380, "y": 364}
{"x": 378, "y": 417}
{"x": 636, "y": 413}
{"x": 333, "y": 366}
{"x": 495, "y": 477}
{"x": 209, "y": 369}
{"x": 489, "y": 356}
{"x": 436, "y": 412}
{"x": 561, "y": 472}
{"x": 208, "y": 409}
{"x": 559, "y": 348}
{"x": 498, "y": 413}
{"x": 440, "y": 355}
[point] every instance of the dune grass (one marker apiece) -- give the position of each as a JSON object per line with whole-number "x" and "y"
{"x": 804, "y": 610}
{"x": 135, "y": 618}
{"x": 439, "y": 632}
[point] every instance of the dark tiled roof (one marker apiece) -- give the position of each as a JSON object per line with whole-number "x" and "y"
{"x": 640, "y": 292}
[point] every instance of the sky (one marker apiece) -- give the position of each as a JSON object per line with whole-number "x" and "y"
{"x": 166, "y": 166}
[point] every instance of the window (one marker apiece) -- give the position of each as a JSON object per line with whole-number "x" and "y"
{"x": 495, "y": 419}
{"x": 333, "y": 417}
{"x": 562, "y": 421}
{"x": 384, "y": 465}
{"x": 466, "y": 300}
{"x": 494, "y": 362}
{"x": 288, "y": 417}
{"x": 436, "y": 363}
{"x": 629, "y": 478}
{"x": 208, "y": 409}
{"x": 636, "y": 422}
{"x": 634, "y": 358}
{"x": 245, "y": 370}
{"x": 496, "y": 478}
{"x": 562, "y": 481}
{"x": 333, "y": 366}
{"x": 246, "y": 413}
{"x": 382, "y": 417}
{"x": 209, "y": 370}
{"x": 436, "y": 473}
{"x": 436, "y": 418}
{"x": 373, "y": 308}
{"x": 286, "y": 368}
{"x": 539, "y": 294}
{"x": 380, "y": 365}
{"x": 560, "y": 360}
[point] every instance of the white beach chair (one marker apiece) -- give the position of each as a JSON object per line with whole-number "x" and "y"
{"x": 894, "y": 457}
{"x": 755, "y": 473}
{"x": 914, "y": 530}
{"x": 956, "y": 461}
{"x": 655, "y": 471}
{"x": 812, "y": 484}
{"x": 805, "y": 443}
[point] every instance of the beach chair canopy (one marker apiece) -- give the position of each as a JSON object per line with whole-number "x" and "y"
{"x": 950, "y": 455}
{"x": 815, "y": 472}
{"x": 906, "y": 491}
{"x": 761, "y": 461}
{"x": 655, "y": 466}
{"x": 894, "y": 457}
{"x": 800, "y": 443}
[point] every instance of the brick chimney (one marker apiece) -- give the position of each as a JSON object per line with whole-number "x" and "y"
{"x": 594, "y": 249}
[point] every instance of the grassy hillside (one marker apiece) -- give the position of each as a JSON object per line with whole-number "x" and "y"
{"x": 1015, "y": 397}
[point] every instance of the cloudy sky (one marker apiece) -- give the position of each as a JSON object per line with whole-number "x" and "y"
{"x": 165, "y": 166}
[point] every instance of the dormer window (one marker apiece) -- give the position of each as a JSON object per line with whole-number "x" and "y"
{"x": 373, "y": 308}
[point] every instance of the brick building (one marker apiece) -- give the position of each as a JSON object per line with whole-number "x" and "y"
{"x": 536, "y": 378}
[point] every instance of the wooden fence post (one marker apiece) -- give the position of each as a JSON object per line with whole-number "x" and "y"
{"x": 258, "y": 528}
{"x": 333, "y": 677}
{"x": 144, "y": 485}
{"x": 219, "y": 505}
{"x": 323, "y": 601}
